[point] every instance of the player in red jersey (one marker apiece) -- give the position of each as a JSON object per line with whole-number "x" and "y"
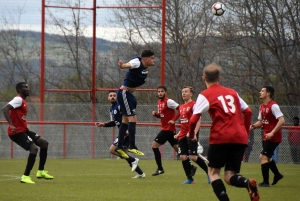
{"x": 15, "y": 113}
{"x": 271, "y": 119}
{"x": 228, "y": 133}
{"x": 166, "y": 112}
{"x": 188, "y": 148}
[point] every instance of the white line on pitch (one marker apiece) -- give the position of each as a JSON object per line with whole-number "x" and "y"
{"x": 13, "y": 177}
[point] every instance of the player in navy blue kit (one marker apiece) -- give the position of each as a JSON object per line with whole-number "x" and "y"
{"x": 135, "y": 77}
{"x": 116, "y": 118}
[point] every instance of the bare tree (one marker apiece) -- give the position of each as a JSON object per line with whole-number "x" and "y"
{"x": 256, "y": 42}
{"x": 19, "y": 55}
{"x": 266, "y": 35}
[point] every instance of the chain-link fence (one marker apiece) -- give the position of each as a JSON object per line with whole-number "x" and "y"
{"x": 84, "y": 140}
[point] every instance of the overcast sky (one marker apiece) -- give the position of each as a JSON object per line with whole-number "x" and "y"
{"x": 27, "y": 14}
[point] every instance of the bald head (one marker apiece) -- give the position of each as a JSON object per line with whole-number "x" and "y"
{"x": 211, "y": 73}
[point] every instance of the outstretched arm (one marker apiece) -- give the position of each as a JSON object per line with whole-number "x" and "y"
{"x": 123, "y": 65}
{"x": 107, "y": 124}
{"x": 258, "y": 124}
{"x": 155, "y": 114}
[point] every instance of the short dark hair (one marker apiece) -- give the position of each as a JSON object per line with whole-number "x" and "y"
{"x": 270, "y": 90}
{"x": 162, "y": 87}
{"x": 147, "y": 53}
{"x": 19, "y": 86}
{"x": 112, "y": 91}
{"x": 296, "y": 118}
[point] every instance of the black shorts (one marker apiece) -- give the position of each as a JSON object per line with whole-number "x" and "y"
{"x": 228, "y": 155}
{"x": 187, "y": 147}
{"x": 164, "y": 136}
{"x": 269, "y": 148}
{"x": 25, "y": 139}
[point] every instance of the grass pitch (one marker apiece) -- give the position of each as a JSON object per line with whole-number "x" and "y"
{"x": 111, "y": 179}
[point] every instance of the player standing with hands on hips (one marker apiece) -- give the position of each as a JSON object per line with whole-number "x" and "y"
{"x": 228, "y": 133}
{"x": 271, "y": 119}
{"x": 135, "y": 77}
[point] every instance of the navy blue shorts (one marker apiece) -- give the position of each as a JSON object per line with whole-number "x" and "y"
{"x": 127, "y": 102}
{"x": 125, "y": 142}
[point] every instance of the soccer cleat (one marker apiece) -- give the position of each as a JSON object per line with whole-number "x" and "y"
{"x": 277, "y": 178}
{"x": 252, "y": 189}
{"x": 158, "y": 172}
{"x": 262, "y": 184}
{"x": 134, "y": 164}
{"x": 42, "y": 174}
{"x": 134, "y": 149}
{"x": 26, "y": 179}
{"x": 193, "y": 170}
{"x": 189, "y": 181}
{"x": 138, "y": 176}
{"x": 121, "y": 152}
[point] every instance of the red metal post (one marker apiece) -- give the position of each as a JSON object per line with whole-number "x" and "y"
{"x": 93, "y": 93}
{"x": 163, "y": 42}
{"x": 42, "y": 75}
{"x": 42, "y": 82}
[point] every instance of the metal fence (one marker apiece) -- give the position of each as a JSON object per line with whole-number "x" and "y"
{"x": 84, "y": 140}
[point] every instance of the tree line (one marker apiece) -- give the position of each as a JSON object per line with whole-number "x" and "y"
{"x": 256, "y": 42}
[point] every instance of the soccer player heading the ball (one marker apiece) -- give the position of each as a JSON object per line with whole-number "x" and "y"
{"x": 228, "y": 133}
{"x": 135, "y": 77}
{"x": 15, "y": 113}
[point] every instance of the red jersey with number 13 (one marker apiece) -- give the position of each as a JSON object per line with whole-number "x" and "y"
{"x": 225, "y": 109}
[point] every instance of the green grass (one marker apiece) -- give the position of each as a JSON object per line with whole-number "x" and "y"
{"x": 110, "y": 179}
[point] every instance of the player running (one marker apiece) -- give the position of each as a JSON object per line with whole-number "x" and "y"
{"x": 228, "y": 133}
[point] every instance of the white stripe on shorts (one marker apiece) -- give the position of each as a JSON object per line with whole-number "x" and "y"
{"x": 126, "y": 102}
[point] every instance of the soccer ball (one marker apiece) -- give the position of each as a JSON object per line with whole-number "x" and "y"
{"x": 218, "y": 9}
